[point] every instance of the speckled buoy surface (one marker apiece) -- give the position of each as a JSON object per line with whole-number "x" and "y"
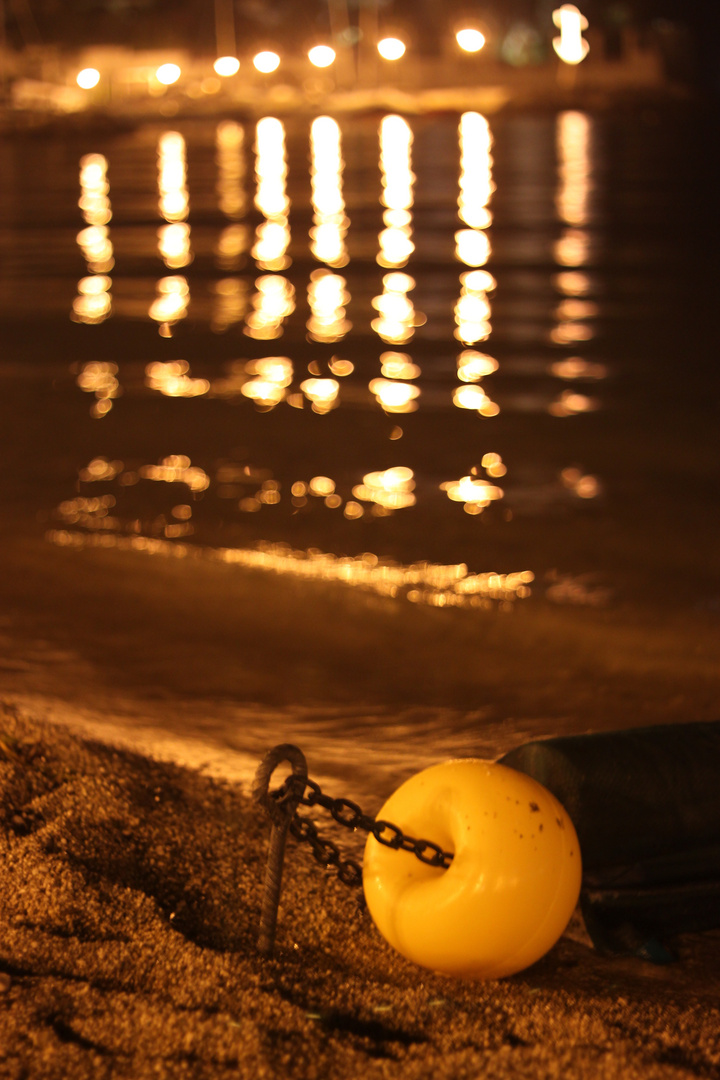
{"x": 513, "y": 883}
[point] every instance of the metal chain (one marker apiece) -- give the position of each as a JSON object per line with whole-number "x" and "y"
{"x": 306, "y": 792}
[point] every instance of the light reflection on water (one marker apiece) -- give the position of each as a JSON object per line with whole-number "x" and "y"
{"x": 256, "y": 284}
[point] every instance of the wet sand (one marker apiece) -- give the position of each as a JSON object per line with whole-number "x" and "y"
{"x": 129, "y": 905}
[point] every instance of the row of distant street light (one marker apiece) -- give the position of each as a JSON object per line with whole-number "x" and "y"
{"x": 570, "y": 46}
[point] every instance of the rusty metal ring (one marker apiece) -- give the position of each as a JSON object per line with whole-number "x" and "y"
{"x": 278, "y": 812}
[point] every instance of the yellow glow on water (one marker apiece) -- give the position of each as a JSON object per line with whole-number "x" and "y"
{"x": 572, "y": 282}
{"x": 394, "y": 397}
{"x": 229, "y": 145}
{"x": 321, "y": 56}
{"x": 472, "y": 312}
{"x": 173, "y": 202}
{"x": 397, "y": 365}
{"x": 94, "y": 190}
{"x": 273, "y": 235}
{"x": 575, "y": 184}
{"x": 93, "y": 303}
{"x": 392, "y": 489}
{"x": 177, "y": 469}
{"x": 581, "y": 484}
{"x": 577, "y": 368}
{"x": 341, "y": 368}
{"x": 472, "y": 365}
{"x": 419, "y": 583}
{"x": 569, "y": 333}
{"x": 321, "y": 486}
{"x": 231, "y": 303}
{"x": 571, "y": 46}
{"x": 266, "y": 62}
{"x": 472, "y": 247}
{"x": 572, "y": 248}
{"x": 96, "y": 247}
{"x": 391, "y": 48}
{"x": 271, "y": 244}
{"x": 273, "y": 302}
{"x": 327, "y": 296}
{"x": 277, "y": 369}
{"x": 87, "y": 78}
{"x": 472, "y": 490}
{"x": 470, "y": 40}
{"x": 226, "y": 66}
{"x": 323, "y": 393}
{"x": 272, "y": 376}
{"x": 473, "y": 397}
{"x": 476, "y": 182}
{"x": 397, "y": 179}
{"x": 330, "y": 222}
{"x": 233, "y": 242}
{"x": 397, "y": 317}
{"x": 99, "y": 377}
{"x": 172, "y": 380}
{"x": 174, "y": 245}
{"x": 572, "y": 308}
{"x": 171, "y": 302}
{"x": 271, "y": 167}
{"x": 570, "y": 403}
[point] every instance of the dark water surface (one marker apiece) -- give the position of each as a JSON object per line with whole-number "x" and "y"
{"x": 585, "y": 236}
{"x": 164, "y": 391}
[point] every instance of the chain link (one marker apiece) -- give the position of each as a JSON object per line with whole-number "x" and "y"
{"x": 348, "y": 814}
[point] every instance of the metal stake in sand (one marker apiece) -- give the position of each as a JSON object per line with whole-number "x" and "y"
{"x": 281, "y": 812}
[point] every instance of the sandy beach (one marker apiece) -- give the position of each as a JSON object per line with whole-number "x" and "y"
{"x": 129, "y": 905}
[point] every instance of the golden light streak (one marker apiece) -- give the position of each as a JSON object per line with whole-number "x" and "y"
{"x": 174, "y": 245}
{"x": 476, "y": 182}
{"x": 93, "y": 303}
{"x": 271, "y": 377}
{"x": 330, "y": 223}
{"x": 96, "y": 247}
{"x": 421, "y": 583}
{"x": 171, "y": 302}
{"x": 94, "y": 190}
{"x": 397, "y": 179}
{"x": 327, "y": 295}
{"x": 570, "y": 403}
{"x": 473, "y": 366}
{"x": 397, "y": 317}
{"x": 99, "y": 377}
{"x": 230, "y": 305}
{"x": 273, "y": 302}
{"x": 229, "y": 145}
{"x": 391, "y": 489}
{"x": 172, "y": 379}
{"x": 573, "y": 142}
{"x": 323, "y": 393}
{"x": 397, "y": 365}
{"x": 173, "y": 202}
{"x": 394, "y": 397}
{"x": 273, "y": 235}
{"x": 473, "y": 397}
{"x": 177, "y": 469}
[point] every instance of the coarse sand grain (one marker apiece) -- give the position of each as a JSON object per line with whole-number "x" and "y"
{"x": 129, "y": 903}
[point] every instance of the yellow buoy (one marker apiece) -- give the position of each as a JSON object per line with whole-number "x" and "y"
{"x": 513, "y": 883}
